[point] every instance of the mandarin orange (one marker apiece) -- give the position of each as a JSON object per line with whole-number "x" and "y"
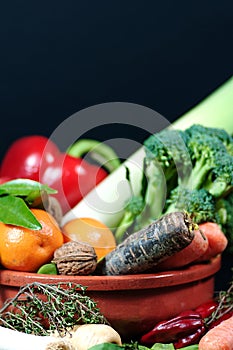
{"x": 22, "y": 249}
{"x": 91, "y": 231}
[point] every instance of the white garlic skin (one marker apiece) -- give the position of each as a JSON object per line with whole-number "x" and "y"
{"x": 88, "y": 335}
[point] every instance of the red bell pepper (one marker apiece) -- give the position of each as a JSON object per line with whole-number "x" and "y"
{"x": 38, "y": 158}
{"x": 23, "y": 157}
{"x": 72, "y": 177}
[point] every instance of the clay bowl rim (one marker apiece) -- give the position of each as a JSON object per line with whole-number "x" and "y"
{"x": 189, "y": 274}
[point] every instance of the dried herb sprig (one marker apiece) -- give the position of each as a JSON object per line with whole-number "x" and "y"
{"x": 225, "y": 304}
{"x": 41, "y": 308}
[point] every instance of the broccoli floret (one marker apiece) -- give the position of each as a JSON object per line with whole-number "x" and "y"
{"x": 132, "y": 210}
{"x": 205, "y": 152}
{"x": 224, "y": 214}
{"x": 211, "y": 151}
{"x": 220, "y": 180}
{"x": 168, "y": 149}
{"x": 221, "y": 134}
{"x": 200, "y": 204}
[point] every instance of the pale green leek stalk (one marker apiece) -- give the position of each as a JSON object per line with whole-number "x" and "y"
{"x": 106, "y": 202}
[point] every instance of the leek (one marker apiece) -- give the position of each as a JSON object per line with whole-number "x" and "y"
{"x": 106, "y": 202}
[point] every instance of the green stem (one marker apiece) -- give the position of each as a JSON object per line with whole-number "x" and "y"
{"x": 97, "y": 151}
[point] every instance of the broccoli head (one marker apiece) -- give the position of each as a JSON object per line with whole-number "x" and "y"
{"x": 221, "y": 134}
{"x": 168, "y": 149}
{"x": 199, "y": 203}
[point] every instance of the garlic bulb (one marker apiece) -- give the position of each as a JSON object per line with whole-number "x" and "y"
{"x": 88, "y": 335}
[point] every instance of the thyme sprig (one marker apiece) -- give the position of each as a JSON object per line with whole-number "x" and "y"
{"x": 40, "y": 308}
{"x": 225, "y": 304}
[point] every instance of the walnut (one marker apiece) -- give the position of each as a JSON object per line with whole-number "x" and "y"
{"x": 75, "y": 258}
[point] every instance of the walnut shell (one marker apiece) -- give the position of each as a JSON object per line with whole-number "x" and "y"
{"x": 75, "y": 258}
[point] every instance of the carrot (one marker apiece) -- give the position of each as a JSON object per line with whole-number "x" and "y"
{"x": 144, "y": 249}
{"x": 219, "y": 337}
{"x": 193, "y": 251}
{"x": 216, "y": 238}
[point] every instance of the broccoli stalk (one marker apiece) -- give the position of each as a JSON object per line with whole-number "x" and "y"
{"x": 167, "y": 161}
{"x": 132, "y": 210}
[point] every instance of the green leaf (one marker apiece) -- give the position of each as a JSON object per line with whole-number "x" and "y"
{"x": 142, "y": 347}
{"x": 2, "y": 192}
{"x": 25, "y": 188}
{"x": 14, "y": 211}
{"x": 160, "y": 346}
{"x": 48, "y": 269}
{"x": 106, "y": 346}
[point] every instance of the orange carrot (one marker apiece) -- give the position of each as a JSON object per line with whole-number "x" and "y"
{"x": 219, "y": 337}
{"x": 192, "y": 252}
{"x": 216, "y": 238}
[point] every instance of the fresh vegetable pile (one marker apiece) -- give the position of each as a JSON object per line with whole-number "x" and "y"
{"x": 181, "y": 215}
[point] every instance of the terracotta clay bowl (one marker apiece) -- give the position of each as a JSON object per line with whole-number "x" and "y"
{"x": 132, "y": 303}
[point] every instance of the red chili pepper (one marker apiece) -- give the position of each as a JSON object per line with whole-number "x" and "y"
{"x": 190, "y": 339}
{"x": 38, "y": 158}
{"x": 206, "y": 309}
{"x": 168, "y": 331}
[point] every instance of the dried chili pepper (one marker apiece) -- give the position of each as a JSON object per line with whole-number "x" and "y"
{"x": 168, "y": 331}
{"x": 206, "y": 309}
{"x": 190, "y": 339}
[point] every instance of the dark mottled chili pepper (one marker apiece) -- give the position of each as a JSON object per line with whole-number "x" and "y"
{"x": 143, "y": 249}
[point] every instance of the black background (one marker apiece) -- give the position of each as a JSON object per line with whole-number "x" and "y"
{"x": 58, "y": 57}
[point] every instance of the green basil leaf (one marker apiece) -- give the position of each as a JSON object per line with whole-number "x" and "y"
{"x": 14, "y": 211}
{"x": 106, "y": 346}
{"x": 2, "y": 192}
{"x": 48, "y": 269}
{"x": 142, "y": 347}
{"x": 25, "y": 188}
{"x": 160, "y": 346}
